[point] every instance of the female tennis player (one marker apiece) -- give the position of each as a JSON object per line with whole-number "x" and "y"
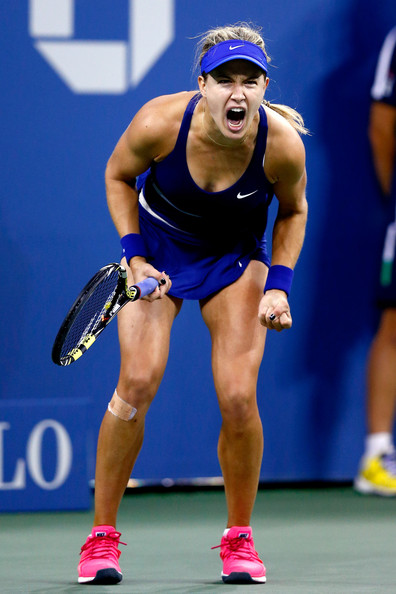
{"x": 188, "y": 187}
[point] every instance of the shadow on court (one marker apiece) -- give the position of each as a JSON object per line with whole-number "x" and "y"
{"x": 312, "y": 541}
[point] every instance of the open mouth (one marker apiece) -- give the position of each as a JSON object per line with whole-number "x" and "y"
{"x": 235, "y": 117}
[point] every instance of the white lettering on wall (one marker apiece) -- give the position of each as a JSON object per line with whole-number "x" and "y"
{"x": 34, "y": 458}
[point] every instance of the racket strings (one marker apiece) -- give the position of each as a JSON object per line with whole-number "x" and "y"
{"x": 94, "y": 312}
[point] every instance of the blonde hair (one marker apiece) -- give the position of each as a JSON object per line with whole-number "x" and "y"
{"x": 246, "y": 32}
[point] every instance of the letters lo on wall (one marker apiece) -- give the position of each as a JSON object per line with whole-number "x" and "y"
{"x": 34, "y": 458}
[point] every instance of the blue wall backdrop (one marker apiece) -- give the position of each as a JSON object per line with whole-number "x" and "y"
{"x": 73, "y": 75}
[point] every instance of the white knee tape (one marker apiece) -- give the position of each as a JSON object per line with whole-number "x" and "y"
{"x": 121, "y": 409}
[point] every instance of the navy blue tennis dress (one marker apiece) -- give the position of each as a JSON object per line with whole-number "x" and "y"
{"x": 203, "y": 240}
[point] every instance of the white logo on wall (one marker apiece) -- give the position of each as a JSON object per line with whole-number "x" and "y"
{"x": 101, "y": 67}
{"x": 34, "y": 457}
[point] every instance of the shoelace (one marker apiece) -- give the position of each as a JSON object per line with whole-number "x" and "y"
{"x": 102, "y": 546}
{"x": 390, "y": 462}
{"x": 239, "y": 547}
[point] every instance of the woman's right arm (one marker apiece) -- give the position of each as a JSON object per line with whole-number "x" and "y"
{"x": 133, "y": 154}
{"x": 137, "y": 148}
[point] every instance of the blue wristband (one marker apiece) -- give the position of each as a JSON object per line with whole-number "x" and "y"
{"x": 279, "y": 277}
{"x": 133, "y": 245}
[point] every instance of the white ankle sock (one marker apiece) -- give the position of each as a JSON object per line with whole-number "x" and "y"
{"x": 377, "y": 444}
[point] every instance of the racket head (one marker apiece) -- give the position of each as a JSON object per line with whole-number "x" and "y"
{"x": 93, "y": 309}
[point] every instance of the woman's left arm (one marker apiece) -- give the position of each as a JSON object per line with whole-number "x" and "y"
{"x": 289, "y": 230}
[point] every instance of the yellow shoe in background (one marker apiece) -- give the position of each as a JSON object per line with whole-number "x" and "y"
{"x": 377, "y": 476}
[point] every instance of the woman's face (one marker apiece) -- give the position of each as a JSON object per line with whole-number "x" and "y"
{"x": 233, "y": 92}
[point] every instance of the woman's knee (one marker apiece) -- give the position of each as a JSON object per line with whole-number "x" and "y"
{"x": 139, "y": 388}
{"x": 238, "y": 407}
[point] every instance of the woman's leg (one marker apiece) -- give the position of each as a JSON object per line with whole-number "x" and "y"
{"x": 382, "y": 376}
{"x": 237, "y": 349}
{"x": 144, "y": 331}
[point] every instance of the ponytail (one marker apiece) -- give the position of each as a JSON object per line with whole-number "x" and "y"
{"x": 290, "y": 114}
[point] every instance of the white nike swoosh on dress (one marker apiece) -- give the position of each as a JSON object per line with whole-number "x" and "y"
{"x": 232, "y": 47}
{"x": 239, "y": 195}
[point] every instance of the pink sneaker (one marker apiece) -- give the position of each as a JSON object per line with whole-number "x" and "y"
{"x": 241, "y": 563}
{"x": 99, "y": 557}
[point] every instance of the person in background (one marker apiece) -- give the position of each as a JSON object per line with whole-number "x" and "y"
{"x": 377, "y": 473}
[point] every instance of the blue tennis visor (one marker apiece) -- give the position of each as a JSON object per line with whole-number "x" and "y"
{"x": 234, "y": 49}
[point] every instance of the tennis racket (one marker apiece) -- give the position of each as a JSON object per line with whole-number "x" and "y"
{"x": 97, "y": 304}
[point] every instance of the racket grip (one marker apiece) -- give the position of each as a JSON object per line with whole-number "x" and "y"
{"x": 147, "y": 286}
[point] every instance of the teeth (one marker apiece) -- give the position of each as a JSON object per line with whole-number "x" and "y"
{"x": 237, "y": 109}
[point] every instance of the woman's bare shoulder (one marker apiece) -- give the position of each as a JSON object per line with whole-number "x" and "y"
{"x": 164, "y": 110}
{"x": 158, "y": 121}
{"x": 285, "y": 149}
